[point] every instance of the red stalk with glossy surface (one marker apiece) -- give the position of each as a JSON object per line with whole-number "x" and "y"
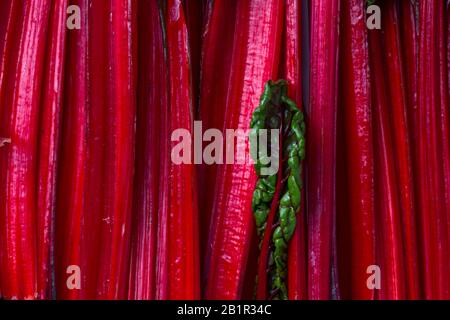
{"x": 401, "y": 143}
{"x": 388, "y": 224}
{"x": 356, "y": 106}
{"x": 19, "y": 123}
{"x": 217, "y": 49}
{"x": 431, "y": 181}
{"x": 50, "y": 125}
{"x": 321, "y": 145}
{"x": 119, "y": 123}
{"x": 151, "y": 153}
{"x": 292, "y": 50}
{"x": 255, "y": 57}
{"x": 98, "y": 66}
{"x": 444, "y": 141}
{"x": 183, "y": 246}
{"x": 98, "y": 151}
{"x": 162, "y": 254}
{"x": 409, "y": 44}
{"x": 8, "y": 22}
{"x": 72, "y": 169}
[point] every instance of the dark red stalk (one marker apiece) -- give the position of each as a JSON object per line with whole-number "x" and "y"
{"x": 162, "y": 252}
{"x": 409, "y": 43}
{"x": 255, "y": 57}
{"x": 151, "y": 153}
{"x": 71, "y": 245}
{"x": 343, "y": 236}
{"x": 444, "y": 141}
{"x": 292, "y": 72}
{"x": 20, "y": 118}
{"x": 217, "y": 52}
{"x": 388, "y": 232}
{"x": 9, "y": 21}
{"x": 431, "y": 180}
{"x": 401, "y": 142}
{"x": 356, "y": 104}
{"x": 5, "y": 23}
{"x": 183, "y": 258}
{"x": 321, "y": 146}
{"x": 98, "y": 64}
{"x": 50, "y": 127}
{"x": 219, "y": 33}
{"x": 193, "y": 10}
{"x": 98, "y": 152}
{"x": 8, "y": 24}
{"x": 119, "y": 124}
{"x": 448, "y": 74}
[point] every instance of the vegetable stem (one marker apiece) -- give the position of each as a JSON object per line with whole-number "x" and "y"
{"x": 321, "y": 147}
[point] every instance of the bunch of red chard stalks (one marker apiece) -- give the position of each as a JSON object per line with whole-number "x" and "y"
{"x": 353, "y": 95}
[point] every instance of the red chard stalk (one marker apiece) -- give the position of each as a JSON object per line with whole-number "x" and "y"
{"x": 98, "y": 151}
{"x": 49, "y": 142}
{"x": 217, "y": 52}
{"x": 431, "y": 175}
{"x": 183, "y": 246}
{"x": 388, "y": 236}
{"x": 152, "y": 152}
{"x": 321, "y": 147}
{"x": 292, "y": 57}
{"x": 357, "y": 109}
{"x": 402, "y": 147}
{"x": 22, "y": 64}
{"x": 257, "y": 42}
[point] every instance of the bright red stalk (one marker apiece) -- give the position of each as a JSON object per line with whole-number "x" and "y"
{"x": 216, "y": 60}
{"x": 431, "y": 181}
{"x": 255, "y": 57}
{"x": 292, "y": 49}
{"x": 72, "y": 170}
{"x": 183, "y": 258}
{"x": 401, "y": 141}
{"x": 98, "y": 151}
{"x": 50, "y": 124}
{"x": 321, "y": 146}
{"x": 8, "y": 24}
{"x": 356, "y": 106}
{"x": 215, "y": 75}
{"x": 21, "y": 80}
{"x": 388, "y": 229}
{"x": 119, "y": 150}
{"x": 151, "y": 134}
{"x": 98, "y": 64}
{"x": 409, "y": 43}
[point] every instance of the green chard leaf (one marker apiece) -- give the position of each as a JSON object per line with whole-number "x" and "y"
{"x": 275, "y": 103}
